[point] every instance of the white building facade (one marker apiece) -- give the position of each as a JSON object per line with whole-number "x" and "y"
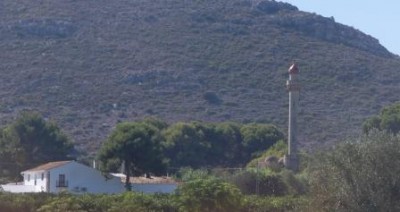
{"x": 70, "y": 176}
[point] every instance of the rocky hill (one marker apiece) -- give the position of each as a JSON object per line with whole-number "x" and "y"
{"x": 90, "y": 64}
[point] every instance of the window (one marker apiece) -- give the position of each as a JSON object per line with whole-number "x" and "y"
{"x": 29, "y": 177}
{"x": 61, "y": 182}
{"x": 42, "y": 176}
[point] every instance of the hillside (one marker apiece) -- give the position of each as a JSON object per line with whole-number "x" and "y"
{"x": 90, "y": 64}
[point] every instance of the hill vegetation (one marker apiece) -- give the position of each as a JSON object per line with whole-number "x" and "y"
{"x": 356, "y": 175}
{"x": 91, "y": 64}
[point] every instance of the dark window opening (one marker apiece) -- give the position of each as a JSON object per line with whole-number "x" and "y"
{"x": 61, "y": 182}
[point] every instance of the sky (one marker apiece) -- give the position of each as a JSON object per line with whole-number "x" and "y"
{"x": 380, "y": 19}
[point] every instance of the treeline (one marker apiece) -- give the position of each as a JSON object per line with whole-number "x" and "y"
{"x": 152, "y": 146}
{"x": 146, "y": 146}
{"x": 358, "y": 175}
{"x": 361, "y": 174}
{"x": 228, "y": 144}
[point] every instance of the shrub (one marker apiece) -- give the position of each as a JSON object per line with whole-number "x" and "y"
{"x": 212, "y": 98}
{"x": 265, "y": 182}
{"x": 275, "y": 204}
{"x": 209, "y": 195}
{"x": 253, "y": 182}
{"x": 358, "y": 176}
{"x": 22, "y": 202}
{"x": 64, "y": 203}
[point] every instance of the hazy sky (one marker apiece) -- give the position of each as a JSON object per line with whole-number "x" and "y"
{"x": 380, "y": 19}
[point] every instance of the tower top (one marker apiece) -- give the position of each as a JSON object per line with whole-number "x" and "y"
{"x": 293, "y": 69}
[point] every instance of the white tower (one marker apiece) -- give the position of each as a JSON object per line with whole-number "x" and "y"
{"x": 293, "y": 86}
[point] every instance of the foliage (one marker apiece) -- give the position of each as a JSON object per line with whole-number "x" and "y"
{"x": 388, "y": 120}
{"x": 22, "y": 202}
{"x": 137, "y": 202}
{"x": 267, "y": 183}
{"x": 251, "y": 182}
{"x": 137, "y": 145}
{"x": 212, "y": 98}
{"x": 279, "y": 149}
{"x": 29, "y": 141}
{"x": 156, "y": 122}
{"x": 64, "y": 203}
{"x": 283, "y": 203}
{"x": 144, "y": 202}
{"x": 197, "y": 144}
{"x": 259, "y": 137}
{"x": 188, "y": 174}
{"x": 209, "y": 195}
{"x": 144, "y": 146}
{"x": 227, "y": 145}
{"x": 297, "y": 183}
{"x": 128, "y": 201}
{"x": 187, "y": 144}
{"x": 362, "y": 175}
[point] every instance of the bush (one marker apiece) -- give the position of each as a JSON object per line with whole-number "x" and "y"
{"x": 209, "y": 195}
{"x": 131, "y": 201}
{"x": 267, "y": 183}
{"x": 251, "y": 182}
{"x": 275, "y": 204}
{"x": 279, "y": 149}
{"x": 296, "y": 184}
{"x": 22, "y": 202}
{"x": 188, "y": 174}
{"x": 358, "y": 176}
{"x": 64, "y": 203}
{"x": 212, "y": 98}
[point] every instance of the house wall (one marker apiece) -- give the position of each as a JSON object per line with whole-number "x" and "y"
{"x": 17, "y": 188}
{"x": 82, "y": 179}
{"x": 35, "y": 180}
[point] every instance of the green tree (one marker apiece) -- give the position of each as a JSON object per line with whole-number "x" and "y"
{"x": 371, "y": 123}
{"x": 358, "y": 176}
{"x": 226, "y": 142}
{"x": 387, "y": 120}
{"x": 198, "y": 144}
{"x": 258, "y": 138}
{"x": 135, "y": 144}
{"x": 187, "y": 144}
{"x": 31, "y": 141}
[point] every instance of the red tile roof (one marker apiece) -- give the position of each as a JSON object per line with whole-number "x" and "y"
{"x": 48, "y": 166}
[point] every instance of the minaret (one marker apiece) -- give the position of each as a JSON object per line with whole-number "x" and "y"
{"x": 293, "y": 86}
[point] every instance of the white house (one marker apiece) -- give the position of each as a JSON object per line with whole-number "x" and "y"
{"x": 68, "y": 176}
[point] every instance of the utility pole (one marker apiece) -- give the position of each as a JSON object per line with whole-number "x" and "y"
{"x": 293, "y": 87}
